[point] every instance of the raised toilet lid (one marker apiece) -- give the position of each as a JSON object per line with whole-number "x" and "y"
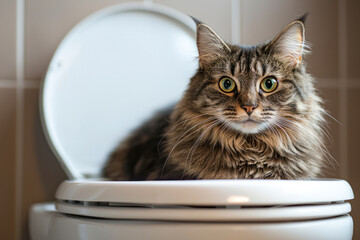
{"x": 109, "y": 74}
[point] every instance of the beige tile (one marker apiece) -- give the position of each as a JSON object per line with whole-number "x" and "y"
{"x": 8, "y": 39}
{"x": 331, "y": 105}
{"x": 353, "y": 154}
{"x": 46, "y": 24}
{"x": 263, "y": 19}
{"x": 42, "y": 173}
{"x": 216, "y": 14}
{"x": 353, "y": 38}
{"x": 7, "y": 156}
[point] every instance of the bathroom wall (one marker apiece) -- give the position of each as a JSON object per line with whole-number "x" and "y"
{"x": 31, "y": 30}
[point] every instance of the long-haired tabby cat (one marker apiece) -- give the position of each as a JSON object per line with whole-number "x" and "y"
{"x": 248, "y": 112}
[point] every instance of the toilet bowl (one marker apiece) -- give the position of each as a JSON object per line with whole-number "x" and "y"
{"x": 211, "y": 209}
{"x": 110, "y": 73}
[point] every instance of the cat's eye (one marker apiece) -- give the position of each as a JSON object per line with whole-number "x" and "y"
{"x": 226, "y": 84}
{"x": 269, "y": 84}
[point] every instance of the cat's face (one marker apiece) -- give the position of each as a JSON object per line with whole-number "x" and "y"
{"x": 251, "y": 89}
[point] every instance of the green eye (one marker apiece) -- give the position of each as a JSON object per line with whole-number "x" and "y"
{"x": 268, "y": 84}
{"x": 227, "y": 84}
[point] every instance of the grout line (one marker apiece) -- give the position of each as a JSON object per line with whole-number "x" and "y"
{"x": 343, "y": 111}
{"x": 20, "y": 15}
{"x": 235, "y": 21}
{"x": 13, "y": 83}
{"x": 8, "y": 83}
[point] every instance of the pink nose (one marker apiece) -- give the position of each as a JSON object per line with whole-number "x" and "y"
{"x": 249, "y": 109}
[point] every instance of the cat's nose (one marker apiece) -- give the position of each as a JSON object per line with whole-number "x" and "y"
{"x": 249, "y": 108}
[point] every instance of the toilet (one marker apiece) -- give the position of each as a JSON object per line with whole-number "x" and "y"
{"x": 110, "y": 73}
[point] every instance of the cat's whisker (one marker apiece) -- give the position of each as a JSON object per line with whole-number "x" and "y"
{"x": 224, "y": 127}
{"x": 272, "y": 129}
{"x": 177, "y": 125}
{"x": 198, "y": 140}
{"x": 333, "y": 118}
{"x": 323, "y": 130}
{"x": 195, "y": 125}
{"x": 227, "y": 127}
{"x": 186, "y": 120}
{"x": 288, "y": 126}
{"x": 200, "y": 137}
{"x": 288, "y": 137}
{"x": 306, "y": 121}
{"x": 182, "y": 138}
{"x": 305, "y": 137}
{"x": 276, "y": 132}
{"x": 323, "y": 148}
{"x": 310, "y": 137}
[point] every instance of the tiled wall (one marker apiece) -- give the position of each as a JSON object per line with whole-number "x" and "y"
{"x": 32, "y": 29}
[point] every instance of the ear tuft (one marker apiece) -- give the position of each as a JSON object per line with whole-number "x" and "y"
{"x": 210, "y": 45}
{"x": 303, "y": 17}
{"x": 197, "y": 21}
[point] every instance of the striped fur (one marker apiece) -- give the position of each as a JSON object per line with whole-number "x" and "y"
{"x": 206, "y": 135}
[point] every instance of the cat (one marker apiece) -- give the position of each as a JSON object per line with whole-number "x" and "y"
{"x": 249, "y": 112}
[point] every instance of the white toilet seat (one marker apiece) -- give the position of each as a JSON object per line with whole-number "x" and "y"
{"x": 206, "y": 200}
{"x": 207, "y": 192}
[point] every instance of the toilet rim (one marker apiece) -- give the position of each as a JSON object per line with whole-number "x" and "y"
{"x": 207, "y": 214}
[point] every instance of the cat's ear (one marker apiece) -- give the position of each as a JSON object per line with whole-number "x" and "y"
{"x": 210, "y": 45}
{"x": 289, "y": 44}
